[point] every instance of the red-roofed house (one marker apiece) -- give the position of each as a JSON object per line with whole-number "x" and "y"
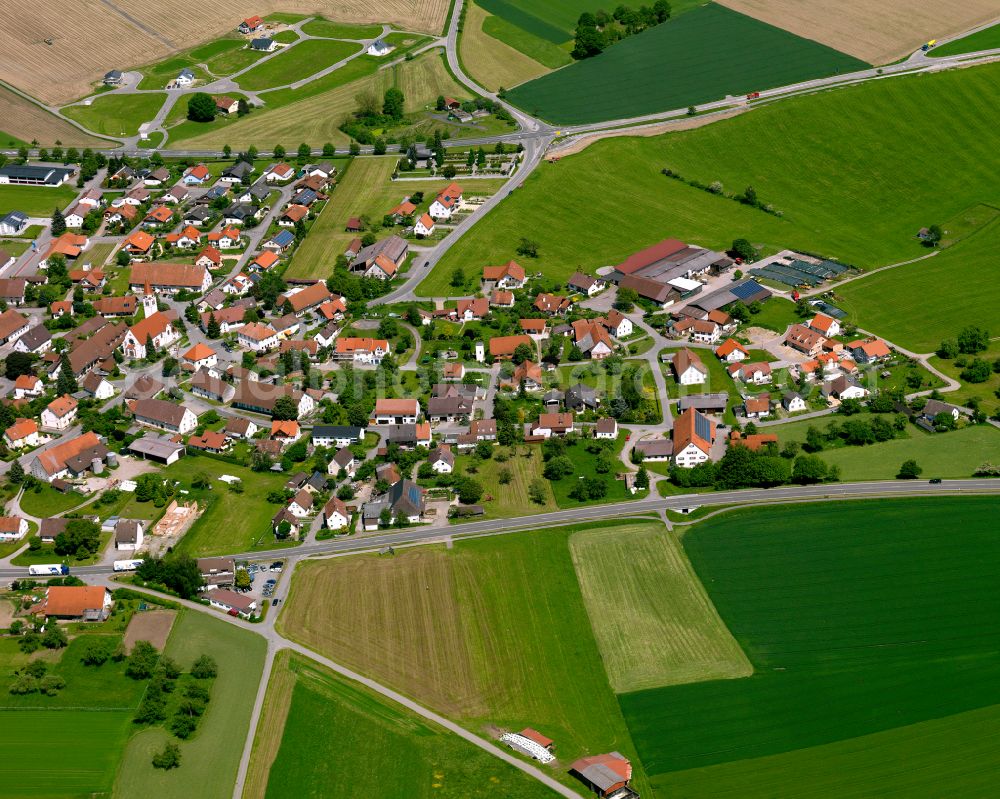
{"x": 731, "y": 351}
{"x": 508, "y": 276}
{"x": 424, "y": 226}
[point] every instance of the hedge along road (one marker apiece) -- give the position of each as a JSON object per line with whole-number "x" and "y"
{"x": 757, "y": 496}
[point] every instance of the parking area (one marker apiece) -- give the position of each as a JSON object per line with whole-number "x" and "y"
{"x": 265, "y": 579}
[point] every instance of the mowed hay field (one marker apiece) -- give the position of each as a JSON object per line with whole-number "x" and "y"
{"x": 317, "y": 117}
{"x": 27, "y": 122}
{"x": 877, "y": 32}
{"x": 860, "y": 618}
{"x": 210, "y": 759}
{"x": 78, "y": 56}
{"x": 297, "y": 62}
{"x": 493, "y": 632}
{"x": 701, "y": 56}
{"x": 117, "y": 114}
{"x": 853, "y": 184}
{"x": 372, "y": 747}
{"x": 489, "y": 61}
{"x": 919, "y": 305}
{"x": 651, "y": 617}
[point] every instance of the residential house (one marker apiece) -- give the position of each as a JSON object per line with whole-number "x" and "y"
{"x": 124, "y": 215}
{"x": 116, "y": 306}
{"x": 264, "y": 261}
{"x": 303, "y": 300}
{"x": 60, "y": 413}
{"x": 301, "y": 504}
{"x": 606, "y": 428}
{"x": 196, "y": 175}
{"x": 197, "y": 216}
{"x": 28, "y": 386}
{"x": 139, "y": 244}
{"x": 442, "y": 459}
{"x": 164, "y": 415}
{"x": 528, "y": 375}
{"x": 395, "y": 411}
{"x": 339, "y": 436}
{"x": 257, "y": 337}
{"x": 825, "y": 325}
{"x": 75, "y": 603}
{"x": 756, "y": 374}
{"x": 393, "y": 247}
{"x": 210, "y": 441}
{"x": 184, "y": 78}
{"x": 241, "y": 605}
{"x": 502, "y": 299}
{"x": 379, "y": 48}
{"x": 12, "y": 326}
{"x": 617, "y": 324}
{"x": 692, "y": 436}
{"x": 844, "y": 387}
{"x": 261, "y": 397}
{"x": 129, "y": 534}
{"x": 382, "y": 268}
{"x": 585, "y": 284}
{"x": 206, "y": 385}
{"x": 757, "y": 407}
{"x": 424, "y": 226}
{"x": 145, "y": 387}
{"x": 503, "y": 347}
{"x": 869, "y": 350}
{"x": 792, "y": 402}
{"x": 592, "y": 339}
{"x": 209, "y": 258}
{"x": 240, "y": 428}
{"x": 336, "y": 516}
{"x": 580, "y": 397}
{"x": 509, "y": 276}
{"x": 280, "y": 242}
{"x": 447, "y": 202}
{"x": 279, "y": 173}
{"x": 158, "y": 327}
{"x": 934, "y": 408}
{"x": 731, "y": 351}
{"x": 229, "y": 319}
{"x": 217, "y": 572}
{"x": 234, "y": 174}
{"x": 292, "y": 215}
{"x": 450, "y": 407}
{"x": 409, "y": 435}
{"x": 287, "y": 432}
{"x": 688, "y": 368}
{"x": 12, "y": 223}
{"x": 343, "y": 460}
{"x": 251, "y": 25}
{"x": 361, "y": 350}
{"x": 404, "y": 500}
{"x": 36, "y": 341}
{"x": 199, "y": 356}
{"x": 552, "y": 424}
{"x": 23, "y": 433}
{"x": 753, "y": 441}
{"x": 227, "y": 238}
{"x": 13, "y": 528}
{"x": 805, "y": 340}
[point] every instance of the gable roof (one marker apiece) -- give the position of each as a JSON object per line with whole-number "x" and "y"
{"x": 691, "y": 427}
{"x": 684, "y": 359}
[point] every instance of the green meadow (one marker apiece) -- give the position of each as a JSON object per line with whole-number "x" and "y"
{"x": 853, "y": 183}
{"x": 860, "y": 619}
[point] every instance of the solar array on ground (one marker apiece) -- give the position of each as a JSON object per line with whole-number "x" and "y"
{"x": 798, "y": 272}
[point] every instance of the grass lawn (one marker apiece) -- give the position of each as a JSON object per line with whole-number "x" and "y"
{"x": 36, "y": 200}
{"x": 233, "y": 60}
{"x": 452, "y": 628}
{"x": 340, "y": 30}
{"x": 682, "y": 62}
{"x": 98, "y": 254}
{"x": 315, "y": 111}
{"x": 210, "y": 759}
{"x": 298, "y": 62}
{"x": 232, "y": 522}
{"x": 380, "y": 749}
{"x": 986, "y": 39}
{"x": 895, "y": 303}
{"x": 846, "y": 620}
{"x": 861, "y": 203}
{"x": 48, "y": 502}
{"x": 160, "y": 74}
{"x": 117, "y": 114}
{"x": 652, "y": 619}
{"x": 511, "y": 499}
{"x": 585, "y": 466}
{"x": 536, "y": 48}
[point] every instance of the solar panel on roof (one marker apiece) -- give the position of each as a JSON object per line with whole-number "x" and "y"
{"x": 702, "y": 427}
{"x": 746, "y": 289}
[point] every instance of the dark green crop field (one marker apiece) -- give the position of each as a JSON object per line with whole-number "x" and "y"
{"x": 860, "y": 619}
{"x": 703, "y": 55}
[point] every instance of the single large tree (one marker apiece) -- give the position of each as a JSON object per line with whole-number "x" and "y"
{"x": 66, "y": 383}
{"x": 58, "y": 223}
{"x": 392, "y": 103}
{"x": 201, "y": 107}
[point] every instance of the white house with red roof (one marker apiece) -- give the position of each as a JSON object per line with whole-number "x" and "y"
{"x": 422, "y": 227}
{"x": 824, "y": 324}
{"x": 447, "y": 202}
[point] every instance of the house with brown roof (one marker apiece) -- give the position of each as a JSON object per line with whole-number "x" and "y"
{"x": 23, "y": 433}
{"x": 756, "y": 374}
{"x": 164, "y": 415}
{"x": 336, "y": 516}
{"x": 261, "y": 397}
{"x": 28, "y": 386}
{"x": 75, "y": 603}
{"x": 306, "y": 299}
{"x": 527, "y": 374}
{"x": 301, "y": 504}
{"x": 826, "y": 325}
{"x": 688, "y": 368}
{"x": 585, "y": 284}
{"x": 552, "y": 303}
{"x": 757, "y": 407}
{"x": 229, "y": 601}
{"x": 60, "y": 413}
{"x": 12, "y": 325}
{"x": 169, "y": 278}
{"x": 693, "y": 436}
{"x": 503, "y": 347}
{"x": 210, "y": 441}
{"x": 552, "y": 424}
{"x": 240, "y": 427}
{"x": 805, "y": 340}
{"x": 13, "y": 528}
{"x": 395, "y": 411}
{"x": 257, "y": 337}
{"x": 606, "y": 428}
{"x": 592, "y": 339}
{"x": 361, "y": 350}
{"x": 205, "y": 384}
{"x": 869, "y": 350}
{"x": 508, "y": 276}
{"x": 110, "y": 307}
{"x": 472, "y": 310}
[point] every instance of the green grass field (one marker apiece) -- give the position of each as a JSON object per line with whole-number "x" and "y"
{"x": 986, "y": 392}
{"x": 685, "y": 61}
{"x": 895, "y": 303}
{"x": 861, "y": 204}
{"x": 340, "y": 30}
{"x": 379, "y": 749}
{"x": 541, "y": 50}
{"x": 48, "y": 502}
{"x": 314, "y": 112}
{"x": 298, "y": 62}
{"x": 986, "y": 39}
{"x": 652, "y": 619}
{"x": 117, "y": 114}
{"x": 585, "y": 466}
{"x": 491, "y": 632}
{"x": 232, "y": 522}
{"x": 860, "y": 619}
{"x": 511, "y": 499}
{"x": 36, "y": 200}
{"x": 210, "y": 759}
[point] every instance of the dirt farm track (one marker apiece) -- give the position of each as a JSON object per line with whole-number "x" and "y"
{"x": 876, "y": 31}
{"x": 144, "y": 31}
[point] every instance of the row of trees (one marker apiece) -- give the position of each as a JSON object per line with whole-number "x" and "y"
{"x": 597, "y": 31}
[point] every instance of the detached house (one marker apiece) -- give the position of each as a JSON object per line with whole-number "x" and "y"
{"x": 164, "y": 415}
{"x": 158, "y": 327}
{"x": 447, "y": 202}
{"x": 585, "y": 284}
{"x": 23, "y": 433}
{"x": 28, "y": 386}
{"x": 826, "y": 325}
{"x": 731, "y": 351}
{"x": 509, "y": 276}
{"x": 395, "y": 411}
{"x": 693, "y": 436}
{"x": 805, "y": 340}
{"x": 336, "y": 516}
{"x": 361, "y": 350}
{"x": 257, "y": 337}
{"x": 756, "y": 374}
{"x": 688, "y": 368}
{"x": 60, "y": 413}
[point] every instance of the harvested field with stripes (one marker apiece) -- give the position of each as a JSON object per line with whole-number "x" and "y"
{"x": 876, "y": 32}
{"x": 652, "y": 619}
{"x": 490, "y": 61}
{"x": 26, "y": 121}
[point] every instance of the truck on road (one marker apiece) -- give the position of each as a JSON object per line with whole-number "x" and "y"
{"x": 127, "y": 565}
{"x": 49, "y": 568}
